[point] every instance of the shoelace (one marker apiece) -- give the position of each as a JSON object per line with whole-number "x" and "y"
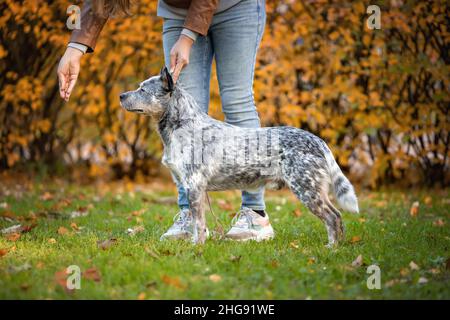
{"x": 241, "y": 218}
{"x": 181, "y": 218}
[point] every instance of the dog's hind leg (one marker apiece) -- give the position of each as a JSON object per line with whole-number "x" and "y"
{"x": 310, "y": 185}
{"x": 196, "y": 199}
{"x": 337, "y": 213}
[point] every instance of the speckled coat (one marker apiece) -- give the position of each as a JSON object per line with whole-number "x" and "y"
{"x": 205, "y": 154}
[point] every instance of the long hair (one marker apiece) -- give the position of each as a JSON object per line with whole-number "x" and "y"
{"x": 111, "y": 8}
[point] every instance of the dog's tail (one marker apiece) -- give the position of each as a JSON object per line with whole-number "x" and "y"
{"x": 343, "y": 189}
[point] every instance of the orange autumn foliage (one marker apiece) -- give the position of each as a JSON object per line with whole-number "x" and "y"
{"x": 378, "y": 97}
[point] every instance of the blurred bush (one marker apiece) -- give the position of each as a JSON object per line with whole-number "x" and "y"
{"x": 378, "y": 97}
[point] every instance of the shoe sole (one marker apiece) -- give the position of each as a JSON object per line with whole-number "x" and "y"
{"x": 183, "y": 236}
{"x": 258, "y": 237}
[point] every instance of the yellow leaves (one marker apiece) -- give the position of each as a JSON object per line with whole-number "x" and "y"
{"x": 43, "y": 125}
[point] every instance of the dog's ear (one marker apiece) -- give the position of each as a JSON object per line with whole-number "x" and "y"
{"x": 166, "y": 79}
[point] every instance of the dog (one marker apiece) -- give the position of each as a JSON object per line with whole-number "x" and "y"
{"x": 206, "y": 154}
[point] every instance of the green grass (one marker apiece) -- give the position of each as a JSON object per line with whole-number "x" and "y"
{"x": 295, "y": 265}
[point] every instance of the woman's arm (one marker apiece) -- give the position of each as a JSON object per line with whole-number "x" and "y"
{"x": 82, "y": 40}
{"x": 91, "y": 26}
{"x": 198, "y": 20}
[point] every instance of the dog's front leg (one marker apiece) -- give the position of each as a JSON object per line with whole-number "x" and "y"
{"x": 196, "y": 199}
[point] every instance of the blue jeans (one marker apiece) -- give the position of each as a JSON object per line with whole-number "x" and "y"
{"x": 233, "y": 39}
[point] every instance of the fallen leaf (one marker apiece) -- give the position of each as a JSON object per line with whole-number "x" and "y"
{"x": 3, "y": 252}
{"x": 413, "y": 266}
{"x": 358, "y": 261}
{"x": 92, "y": 274}
{"x": 78, "y": 213}
{"x": 60, "y": 278}
{"x": 52, "y": 240}
{"x": 74, "y": 226}
{"x": 294, "y": 245}
{"x": 40, "y": 265}
{"x": 15, "y": 269}
{"x": 404, "y": 272}
{"x": 141, "y": 296}
{"x": 174, "y": 282}
{"x": 25, "y": 286}
{"x": 274, "y": 263}
{"x": 311, "y": 260}
{"x": 28, "y": 228}
{"x": 355, "y": 239}
{"x": 235, "y": 258}
{"x": 13, "y": 236}
{"x": 422, "y": 280}
{"x": 4, "y": 205}
{"x": 362, "y": 220}
{"x": 414, "y": 211}
{"x": 152, "y": 253}
{"x": 215, "y": 278}
{"x": 46, "y": 196}
{"x": 438, "y": 223}
{"x": 298, "y": 213}
{"x": 428, "y": 200}
{"x": 106, "y": 244}
{"x": 380, "y": 204}
{"x": 12, "y": 229}
{"x": 62, "y": 231}
{"x": 138, "y": 213}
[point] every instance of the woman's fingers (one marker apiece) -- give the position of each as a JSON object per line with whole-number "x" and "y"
{"x": 177, "y": 70}
{"x": 68, "y": 70}
{"x": 71, "y": 84}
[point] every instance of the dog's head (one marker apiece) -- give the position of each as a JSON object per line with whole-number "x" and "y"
{"x": 151, "y": 96}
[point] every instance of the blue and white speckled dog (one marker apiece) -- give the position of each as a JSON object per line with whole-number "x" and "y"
{"x": 205, "y": 154}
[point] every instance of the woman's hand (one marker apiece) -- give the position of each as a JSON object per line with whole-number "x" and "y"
{"x": 179, "y": 55}
{"x": 68, "y": 70}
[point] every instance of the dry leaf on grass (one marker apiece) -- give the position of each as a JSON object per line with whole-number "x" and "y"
{"x": 92, "y": 274}
{"x": 62, "y": 231}
{"x": 355, "y": 239}
{"x": 428, "y": 200}
{"x": 358, "y": 261}
{"x": 51, "y": 240}
{"x": 135, "y": 230}
{"x": 46, "y": 196}
{"x": 13, "y": 236}
{"x": 438, "y": 223}
{"x": 174, "y": 282}
{"x": 3, "y": 252}
{"x": 413, "y": 266}
{"x": 81, "y": 212}
{"x": 74, "y": 226}
{"x": 422, "y": 280}
{"x": 215, "y": 278}
{"x": 235, "y": 258}
{"x": 298, "y": 213}
{"x": 142, "y": 296}
{"x": 106, "y": 244}
{"x": 13, "y": 229}
{"x": 414, "y": 211}
{"x": 61, "y": 278}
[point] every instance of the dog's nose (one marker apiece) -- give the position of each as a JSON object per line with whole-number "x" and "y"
{"x": 122, "y": 96}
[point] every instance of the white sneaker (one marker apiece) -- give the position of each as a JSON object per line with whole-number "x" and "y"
{"x": 248, "y": 225}
{"x": 182, "y": 228}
